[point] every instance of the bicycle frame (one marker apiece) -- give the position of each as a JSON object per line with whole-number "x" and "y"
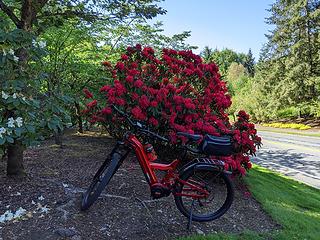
{"x": 171, "y": 176}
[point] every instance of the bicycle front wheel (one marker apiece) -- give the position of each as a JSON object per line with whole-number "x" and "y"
{"x": 189, "y": 195}
{"x": 100, "y": 180}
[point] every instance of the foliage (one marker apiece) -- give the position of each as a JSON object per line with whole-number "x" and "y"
{"x": 31, "y": 77}
{"x": 121, "y": 36}
{"x": 24, "y": 109}
{"x": 236, "y": 77}
{"x": 287, "y": 74}
{"x": 285, "y": 83}
{"x": 176, "y": 92}
{"x": 223, "y": 58}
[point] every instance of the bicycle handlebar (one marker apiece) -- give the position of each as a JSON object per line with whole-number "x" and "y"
{"x": 139, "y": 126}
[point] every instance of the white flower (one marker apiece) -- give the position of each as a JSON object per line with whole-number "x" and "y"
{"x": 2, "y": 218}
{"x": 4, "y": 95}
{"x": 4, "y": 52}
{"x": 33, "y": 42}
{"x": 19, "y": 121}
{"x": 2, "y": 130}
{"x": 15, "y": 58}
{"x": 14, "y": 96}
{"x": 44, "y": 209}
{"x": 10, "y": 122}
{"x": 42, "y": 44}
{"x": 8, "y": 215}
{"x": 41, "y": 198}
{"x": 11, "y": 52}
{"x": 19, "y": 212}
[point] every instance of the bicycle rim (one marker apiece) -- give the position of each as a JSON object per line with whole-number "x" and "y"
{"x": 218, "y": 201}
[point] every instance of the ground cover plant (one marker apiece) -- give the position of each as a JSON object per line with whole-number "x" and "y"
{"x": 299, "y": 126}
{"x": 172, "y": 91}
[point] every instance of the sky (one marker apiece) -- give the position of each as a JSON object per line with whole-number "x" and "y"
{"x": 238, "y": 25}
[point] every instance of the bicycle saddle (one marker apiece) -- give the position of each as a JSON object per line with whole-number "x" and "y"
{"x": 191, "y": 137}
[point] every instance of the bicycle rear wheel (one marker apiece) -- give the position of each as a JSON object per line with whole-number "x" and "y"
{"x": 101, "y": 180}
{"x": 219, "y": 198}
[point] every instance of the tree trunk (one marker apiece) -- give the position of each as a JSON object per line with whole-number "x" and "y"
{"x": 15, "y": 159}
{"x": 79, "y": 117}
{"x": 15, "y": 150}
{"x": 58, "y": 137}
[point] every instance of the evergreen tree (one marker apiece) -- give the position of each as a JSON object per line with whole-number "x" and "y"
{"x": 206, "y": 54}
{"x": 249, "y": 63}
{"x": 289, "y": 70}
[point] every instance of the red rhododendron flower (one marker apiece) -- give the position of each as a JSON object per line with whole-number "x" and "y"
{"x": 165, "y": 80}
{"x": 106, "y": 110}
{"x": 153, "y": 103}
{"x": 120, "y": 66}
{"x": 138, "y": 47}
{"x": 124, "y": 57}
{"x": 138, "y": 83}
{"x": 87, "y": 93}
{"x": 105, "y": 88}
{"x": 243, "y": 115}
{"x": 137, "y": 113}
{"x": 92, "y": 104}
{"x": 153, "y": 121}
{"x": 129, "y": 79}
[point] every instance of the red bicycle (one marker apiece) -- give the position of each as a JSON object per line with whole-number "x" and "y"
{"x": 202, "y": 189}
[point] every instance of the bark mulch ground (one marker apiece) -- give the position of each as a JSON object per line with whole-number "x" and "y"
{"x": 51, "y": 195}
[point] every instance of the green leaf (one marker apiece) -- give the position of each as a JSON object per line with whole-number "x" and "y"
{"x": 9, "y": 139}
{"x": 18, "y": 131}
{"x": 30, "y": 128}
{"x": 16, "y": 102}
{"x": 2, "y": 141}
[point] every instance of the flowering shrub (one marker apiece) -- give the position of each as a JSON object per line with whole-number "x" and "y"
{"x": 171, "y": 93}
{"x": 25, "y": 114}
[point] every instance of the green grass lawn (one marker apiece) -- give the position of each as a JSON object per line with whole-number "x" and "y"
{"x": 295, "y": 206}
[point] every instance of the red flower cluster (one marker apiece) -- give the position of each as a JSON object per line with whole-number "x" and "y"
{"x": 176, "y": 92}
{"x": 87, "y": 93}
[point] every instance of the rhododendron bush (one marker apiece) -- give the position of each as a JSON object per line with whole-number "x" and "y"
{"x": 173, "y": 92}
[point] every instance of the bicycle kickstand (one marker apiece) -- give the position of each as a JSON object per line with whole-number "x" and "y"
{"x": 190, "y": 218}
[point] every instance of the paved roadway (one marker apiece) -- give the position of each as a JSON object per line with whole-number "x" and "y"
{"x": 295, "y": 156}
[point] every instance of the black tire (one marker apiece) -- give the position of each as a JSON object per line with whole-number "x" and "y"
{"x": 217, "y": 183}
{"x": 100, "y": 180}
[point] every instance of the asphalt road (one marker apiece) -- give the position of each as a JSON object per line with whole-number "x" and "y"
{"x": 295, "y": 156}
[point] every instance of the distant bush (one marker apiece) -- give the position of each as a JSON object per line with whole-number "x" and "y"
{"x": 290, "y": 112}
